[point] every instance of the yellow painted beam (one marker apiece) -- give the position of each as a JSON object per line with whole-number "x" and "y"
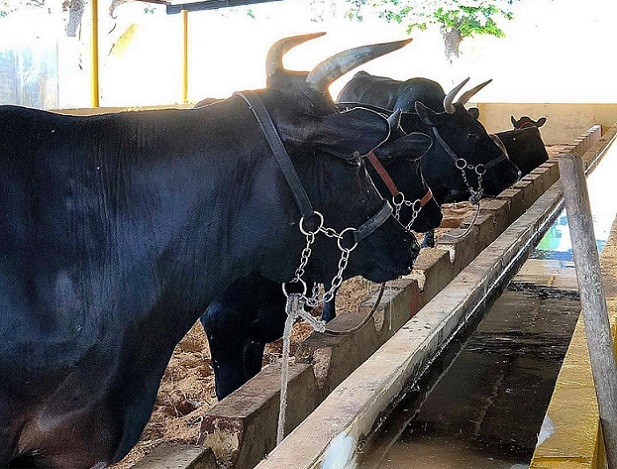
{"x": 185, "y": 56}
{"x": 95, "y": 54}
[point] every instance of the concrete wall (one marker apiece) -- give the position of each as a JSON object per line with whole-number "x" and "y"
{"x": 564, "y": 122}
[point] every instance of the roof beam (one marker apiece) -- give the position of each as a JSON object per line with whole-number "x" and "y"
{"x": 211, "y": 5}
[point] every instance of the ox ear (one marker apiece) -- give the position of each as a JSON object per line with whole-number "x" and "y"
{"x": 411, "y": 147}
{"x": 427, "y": 115}
{"x": 475, "y": 112}
{"x": 358, "y": 130}
{"x": 513, "y": 121}
{"x": 541, "y": 122}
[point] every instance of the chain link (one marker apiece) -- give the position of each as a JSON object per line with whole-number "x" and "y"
{"x": 474, "y": 195}
{"x": 338, "y": 278}
{"x": 416, "y": 206}
{"x": 313, "y": 300}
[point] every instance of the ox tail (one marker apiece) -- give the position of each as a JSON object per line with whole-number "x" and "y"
{"x": 31, "y": 459}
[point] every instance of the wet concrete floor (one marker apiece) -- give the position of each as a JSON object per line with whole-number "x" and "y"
{"x": 488, "y": 393}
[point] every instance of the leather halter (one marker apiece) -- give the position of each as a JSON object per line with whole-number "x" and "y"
{"x": 300, "y": 196}
{"x": 385, "y": 177}
{"x": 454, "y": 156}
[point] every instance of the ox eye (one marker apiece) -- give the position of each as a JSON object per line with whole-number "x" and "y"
{"x": 472, "y": 136}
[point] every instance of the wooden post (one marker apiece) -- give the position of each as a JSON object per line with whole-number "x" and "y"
{"x": 593, "y": 301}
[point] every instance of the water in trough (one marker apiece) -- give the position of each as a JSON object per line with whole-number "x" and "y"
{"x": 482, "y": 404}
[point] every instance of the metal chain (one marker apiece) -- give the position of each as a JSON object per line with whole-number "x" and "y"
{"x": 338, "y": 278}
{"x": 416, "y": 206}
{"x": 313, "y": 301}
{"x": 479, "y": 169}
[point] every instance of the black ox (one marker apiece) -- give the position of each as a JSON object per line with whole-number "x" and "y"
{"x": 119, "y": 230}
{"x": 465, "y": 161}
{"x": 251, "y": 312}
{"x": 524, "y": 143}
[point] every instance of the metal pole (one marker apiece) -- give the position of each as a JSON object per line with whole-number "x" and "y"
{"x": 95, "y": 54}
{"x": 593, "y": 300}
{"x": 185, "y": 56}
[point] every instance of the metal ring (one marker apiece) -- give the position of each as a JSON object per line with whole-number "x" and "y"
{"x": 480, "y": 169}
{"x": 338, "y": 241}
{"x": 459, "y": 162}
{"x": 417, "y": 203}
{"x": 295, "y": 280}
{"x": 394, "y": 202}
{"x": 301, "y": 224}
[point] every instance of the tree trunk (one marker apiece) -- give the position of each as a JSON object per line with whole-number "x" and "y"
{"x": 452, "y": 40}
{"x": 76, "y": 11}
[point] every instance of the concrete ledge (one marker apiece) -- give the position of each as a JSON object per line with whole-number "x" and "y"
{"x": 167, "y": 456}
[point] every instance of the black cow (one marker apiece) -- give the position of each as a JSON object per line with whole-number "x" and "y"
{"x": 462, "y": 149}
{"x": 251, "y": 312}
{"x": 118, "y": 230}
{"x": 524, "y": 143}
{"x": 428, "y": 109}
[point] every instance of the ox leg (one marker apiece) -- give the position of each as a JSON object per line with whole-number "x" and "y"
{"x": 429, "y": 240}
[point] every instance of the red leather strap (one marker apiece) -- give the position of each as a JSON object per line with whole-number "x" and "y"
{"x": 428, "y": 196}
{"x": 385, "y": 177}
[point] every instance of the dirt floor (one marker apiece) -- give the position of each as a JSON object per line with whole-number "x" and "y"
{"x": 187, "y": 388}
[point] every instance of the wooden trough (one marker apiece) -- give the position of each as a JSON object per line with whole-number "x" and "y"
{"x": 241, "y": 429}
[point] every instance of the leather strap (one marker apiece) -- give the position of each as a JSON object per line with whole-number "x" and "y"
{"x": 276, "y": 145}
{"x": 374, "y": 222}
{"x": 383, "y": 174}
{"x": 428, "y": 196}
{"x": 300, "y": 195}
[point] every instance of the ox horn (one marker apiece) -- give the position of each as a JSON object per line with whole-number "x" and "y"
{"x": 274, "y": 59}
{"x": 394, "y": 120}
{"x": 469, "y": 93}
{"x": 336, "y": 66}
{"x": 449, "y": 99}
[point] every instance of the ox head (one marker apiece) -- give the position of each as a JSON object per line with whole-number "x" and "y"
{"x": 325, "y": 146}
{"x": 526, "y": 121}
{"x": 460, "y": 136}
{"x": 401, "y": 157}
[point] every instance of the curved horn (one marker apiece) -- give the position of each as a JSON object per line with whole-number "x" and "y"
{"x": 469, "y": 93}
{"x": 394, "y": 120}
{"x": 336, "y": 66}
{"x": 274, "y": 58}
{"x": 447, "y": 101}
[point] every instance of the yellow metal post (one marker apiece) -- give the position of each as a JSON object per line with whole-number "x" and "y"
{"x": 185, "y": 56}
{"x": 95, "y": 54}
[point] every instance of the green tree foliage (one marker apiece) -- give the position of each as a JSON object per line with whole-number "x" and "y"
{"x": 457, "y": 19}
{"x": 9, "y": 6}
